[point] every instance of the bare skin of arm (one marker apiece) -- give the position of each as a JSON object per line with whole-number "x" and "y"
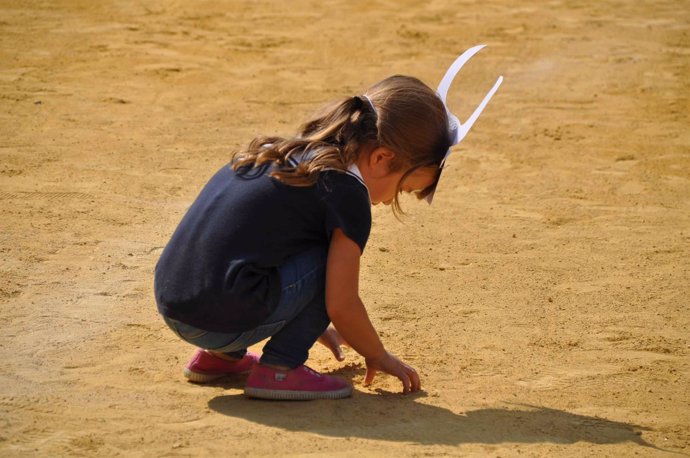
{"x": 350, "y": 318}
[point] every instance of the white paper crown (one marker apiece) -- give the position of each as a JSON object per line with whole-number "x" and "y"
{"x": 456, "y": 129}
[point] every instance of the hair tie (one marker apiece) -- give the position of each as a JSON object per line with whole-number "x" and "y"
{"x": 371, "y": 104}
{"x": 457, "y": 130}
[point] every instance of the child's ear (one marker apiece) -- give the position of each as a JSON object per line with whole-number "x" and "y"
{"x": 380, "y": 161}
{"x": 381, "y": 155}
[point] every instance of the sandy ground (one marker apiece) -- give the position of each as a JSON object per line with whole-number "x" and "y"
{"x": 543, "y": 298}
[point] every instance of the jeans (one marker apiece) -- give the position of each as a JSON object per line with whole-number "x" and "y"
{"x": 294, "y": 326}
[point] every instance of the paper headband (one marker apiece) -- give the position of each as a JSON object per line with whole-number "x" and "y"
{"x": 456, "y": 129}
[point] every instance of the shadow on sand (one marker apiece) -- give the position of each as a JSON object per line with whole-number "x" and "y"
{"x": 394, "y": 418}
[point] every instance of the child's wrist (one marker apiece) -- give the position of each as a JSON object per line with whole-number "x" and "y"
{"x": 377, "y": 355}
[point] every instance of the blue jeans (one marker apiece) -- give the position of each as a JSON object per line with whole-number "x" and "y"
{"x": 294, "y": 326}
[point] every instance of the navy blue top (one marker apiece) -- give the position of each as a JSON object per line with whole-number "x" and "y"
{"x": 219, "y": 270}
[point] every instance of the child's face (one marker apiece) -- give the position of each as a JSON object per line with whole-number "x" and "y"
{"x": 386, "y": 188}
{"x": 383, "y": 183}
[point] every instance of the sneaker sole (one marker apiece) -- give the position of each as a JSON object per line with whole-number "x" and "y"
{"x": 200, "y": 377}
{"x": 291, "y": 395}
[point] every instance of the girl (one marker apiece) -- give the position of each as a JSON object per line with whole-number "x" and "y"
{"x": 271, "y": 246}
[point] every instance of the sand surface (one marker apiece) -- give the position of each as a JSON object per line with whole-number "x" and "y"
{"x": 543, "y": 298}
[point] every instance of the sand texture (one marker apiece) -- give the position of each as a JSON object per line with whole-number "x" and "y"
{"x": 543, "y": 297}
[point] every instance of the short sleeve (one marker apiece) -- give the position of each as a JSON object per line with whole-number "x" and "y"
{"x": 347, "y": 206}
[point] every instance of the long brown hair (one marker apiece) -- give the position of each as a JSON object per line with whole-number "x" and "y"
{"x": 408, "y": 118}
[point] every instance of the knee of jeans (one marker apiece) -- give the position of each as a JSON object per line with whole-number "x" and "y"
{"x": 304, "y": 275}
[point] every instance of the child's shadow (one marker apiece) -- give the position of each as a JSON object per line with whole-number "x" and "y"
{"x": 396, "y": 418}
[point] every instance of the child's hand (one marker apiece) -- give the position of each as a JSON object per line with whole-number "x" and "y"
{"x": 332, "y": 340}
{"x": 393, "y": 366}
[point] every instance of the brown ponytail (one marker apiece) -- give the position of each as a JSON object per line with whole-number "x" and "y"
{"x": 333, "y": 138}
{"x": 409, "y": 119}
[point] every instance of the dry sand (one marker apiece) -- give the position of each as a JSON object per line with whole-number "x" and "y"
{"x": 543, "y": 298}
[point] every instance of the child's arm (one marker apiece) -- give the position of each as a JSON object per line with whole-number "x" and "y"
{"x": 350, "y": 318}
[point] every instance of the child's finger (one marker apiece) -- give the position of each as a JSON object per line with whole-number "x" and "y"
{"x": 415, "y": 383}
{"x": 331, "y": 342}
{"x": 336, "y": 350}
{"x": 406, "y": 382}
{"x": 371, "y": 373}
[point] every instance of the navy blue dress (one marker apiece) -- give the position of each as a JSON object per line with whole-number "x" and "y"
{"x": 219, "y": 270}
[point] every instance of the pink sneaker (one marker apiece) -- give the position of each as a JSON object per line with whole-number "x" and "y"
{"x": 205, "y": 366}
{"x": 299, "y": 384}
